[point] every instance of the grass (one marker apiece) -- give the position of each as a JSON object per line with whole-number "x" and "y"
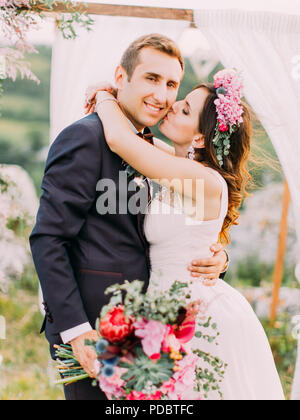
{"x": 24, "y": 373}
{"x": 17, "y": 132}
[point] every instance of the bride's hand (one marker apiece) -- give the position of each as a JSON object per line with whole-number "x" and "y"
{"x": 209, "y": 269}
{"x": 91, "y": 92}
{"x": 102, "y": 96}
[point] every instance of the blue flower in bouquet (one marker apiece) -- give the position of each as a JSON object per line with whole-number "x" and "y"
{"x": 108, "y": 371}
{"x": 111, "y": 362}
{"x": 101, "y": 346}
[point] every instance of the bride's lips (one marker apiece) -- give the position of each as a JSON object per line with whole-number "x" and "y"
{"x": 153, "y": 109}
{"x": 167, "y": 117}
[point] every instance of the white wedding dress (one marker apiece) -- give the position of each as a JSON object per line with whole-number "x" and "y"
{"x": 174, "y": 242}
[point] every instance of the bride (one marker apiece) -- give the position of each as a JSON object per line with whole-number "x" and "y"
{"x": 211, "y": 133}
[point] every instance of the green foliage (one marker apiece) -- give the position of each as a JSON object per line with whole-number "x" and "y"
{"x": 251, "y": 271}
{"x": 18, "y": 225}
{"x": 3, "y": 185}
{"x": 222, "y": 142}
{"x": 144, "y": 370}
{"x": 24, "y": 370}
{"x": 209, "y": 378}
{"x": 207, "y": 324}
{"x": 284, "y": 348}
{"x": 66, "y": 23}
{"x": 24, "y": 124}
{"x": 163, "y": 307}
{"x": 29, "y": 281}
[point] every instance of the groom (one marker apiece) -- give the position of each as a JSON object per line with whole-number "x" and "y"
{"x": 77, "y": 252}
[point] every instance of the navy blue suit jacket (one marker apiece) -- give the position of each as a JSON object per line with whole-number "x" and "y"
{"x": 77, "y": 252}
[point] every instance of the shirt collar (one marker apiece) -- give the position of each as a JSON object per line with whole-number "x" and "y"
{"x": 132, "y": 126}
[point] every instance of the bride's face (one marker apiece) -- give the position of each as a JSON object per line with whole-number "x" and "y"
{"x": 181, "y": 124}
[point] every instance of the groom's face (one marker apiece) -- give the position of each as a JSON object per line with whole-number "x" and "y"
{"x": 151, "y": 91}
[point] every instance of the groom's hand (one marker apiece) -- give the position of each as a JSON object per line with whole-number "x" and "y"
{"x": 86, "y": 355}
{"x": 210, "y": 268}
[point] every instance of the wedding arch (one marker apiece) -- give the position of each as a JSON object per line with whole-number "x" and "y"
{"x": 262, "y": 41}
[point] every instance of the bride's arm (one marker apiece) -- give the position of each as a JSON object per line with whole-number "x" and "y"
{"x": 148, "y": 160}
{"x": 162, "y": 145}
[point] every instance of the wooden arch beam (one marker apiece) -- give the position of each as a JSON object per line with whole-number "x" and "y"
{"x": 281, "y": 249}
{"x": 132, "y": 11}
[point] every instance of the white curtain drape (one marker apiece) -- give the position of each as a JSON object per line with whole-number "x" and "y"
{"x": 93, "y": 57}
{"x": 265, "y": 47}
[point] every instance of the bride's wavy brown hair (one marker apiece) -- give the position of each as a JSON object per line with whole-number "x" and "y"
{"x": 235, "y": 168}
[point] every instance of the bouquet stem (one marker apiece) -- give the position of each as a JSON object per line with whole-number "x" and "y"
{"x": 68, "y": 367}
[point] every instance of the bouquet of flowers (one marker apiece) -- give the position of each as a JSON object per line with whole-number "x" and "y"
{"x": 144, "y": 349}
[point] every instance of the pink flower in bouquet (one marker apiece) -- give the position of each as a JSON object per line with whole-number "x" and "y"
{"x": 180, "y": 386}
{"x": 113, "y": 386}
{"x": 156, "y": 396}
{"x": 136, "y": 395}
{"x": 114, "y": 326}
{"x": 152, "y": 334}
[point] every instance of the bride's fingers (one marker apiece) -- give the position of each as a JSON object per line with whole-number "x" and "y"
{"x": 91, "y": 91}
{"x": 202, "y": 270}
{"x": 89, "y": 109}
{"x": 204, "y": 262}
{"x": 205, "y": 277}
{"x": 209, "y": 283}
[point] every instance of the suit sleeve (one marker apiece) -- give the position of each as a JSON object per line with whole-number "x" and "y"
{"x": 69, "y": 185}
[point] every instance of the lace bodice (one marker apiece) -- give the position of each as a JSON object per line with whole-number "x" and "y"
{"x": 175, "y": 238}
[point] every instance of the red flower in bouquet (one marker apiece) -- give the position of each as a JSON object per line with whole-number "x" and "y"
{"x": 115, "y": 326}
{"x": 186, "y": 331}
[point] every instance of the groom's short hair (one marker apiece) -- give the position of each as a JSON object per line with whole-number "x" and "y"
{"x": 130, "y": 58}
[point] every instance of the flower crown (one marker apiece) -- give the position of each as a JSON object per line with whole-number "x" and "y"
{"x": 229, "y": 89}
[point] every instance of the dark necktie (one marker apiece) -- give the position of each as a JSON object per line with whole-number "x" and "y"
{"x": 147, "y": 135}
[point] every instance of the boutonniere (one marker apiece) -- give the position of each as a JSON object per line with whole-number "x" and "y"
{"x": 130, "y": 171}
{"x": 138, "y": 178}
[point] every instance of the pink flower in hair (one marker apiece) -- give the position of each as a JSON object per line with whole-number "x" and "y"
{"x": 230, "y": 91}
